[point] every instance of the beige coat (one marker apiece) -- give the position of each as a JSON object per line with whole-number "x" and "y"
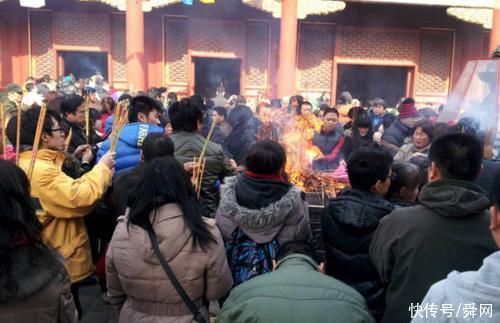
{"x": 137, "y": 283}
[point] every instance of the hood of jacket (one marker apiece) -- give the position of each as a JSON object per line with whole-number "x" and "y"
{"x": 358, "y": 210}
{"x": 254, "y": 193}
{"x": 29, "y": 272}
{"x": 454, "y": 198}
{"x": 271, "y": 215}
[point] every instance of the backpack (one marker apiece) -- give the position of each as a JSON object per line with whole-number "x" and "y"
{"x": 248, "y": 258}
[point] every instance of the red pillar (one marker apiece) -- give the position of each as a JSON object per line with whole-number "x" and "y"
{"x": 495, "y": 28}
{"x": 288, "y": 48}
{"x": 154, "y": 53}
{"x": 135, "y": 46}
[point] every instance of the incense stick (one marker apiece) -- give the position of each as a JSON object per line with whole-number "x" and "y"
{"x": 207, "y": 140}
{"x": 202, "y": 170}
{"x": 36, "y": 142}
{"x": 18, "y": 132}
{"x": 4, "y": 135}
{"x": 68, "y": 140}
{"x": 87, "y": 118}
{"x": 198, "y": 175}
{"x": 120, "y": 120}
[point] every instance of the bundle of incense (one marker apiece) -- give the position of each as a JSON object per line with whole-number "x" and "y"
{"x": 36, "y": 142}
{"x": 18, "y": 131}
{"x": 120, "y": 120}
{"x": 199, "y": 171}
{"x": 4, "y": 134}
{"x": 207, "y": 140}
{"x": 87, "y": 118}
{"x": 68, "y": 140}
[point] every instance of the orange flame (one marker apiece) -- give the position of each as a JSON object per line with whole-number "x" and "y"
{"x": 297, "y": 137}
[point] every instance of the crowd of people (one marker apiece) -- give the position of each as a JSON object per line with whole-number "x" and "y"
{"x": 413, "y": 236}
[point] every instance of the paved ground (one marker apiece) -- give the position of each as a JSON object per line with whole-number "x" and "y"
{"x": 94, "y": 309}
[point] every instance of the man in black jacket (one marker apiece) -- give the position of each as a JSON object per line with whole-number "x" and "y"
{"x": 417, "y": 246}
{"x": 350, "y": 220}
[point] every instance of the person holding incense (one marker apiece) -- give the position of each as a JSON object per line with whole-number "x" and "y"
{"x": 186, "y": 119}
{"x": 61, "y": 201}
{"x": 143, "y": 119}
{"x": 73, "y": 112}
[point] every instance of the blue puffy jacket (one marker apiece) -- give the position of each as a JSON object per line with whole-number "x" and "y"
{"x": 108, "y": 125}
{"x": 128, "y": 148}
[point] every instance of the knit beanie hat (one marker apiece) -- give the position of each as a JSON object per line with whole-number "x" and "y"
{"x": 408, "y": 110}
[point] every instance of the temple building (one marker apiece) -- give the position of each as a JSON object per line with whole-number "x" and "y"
{"x": 387, "y": 48}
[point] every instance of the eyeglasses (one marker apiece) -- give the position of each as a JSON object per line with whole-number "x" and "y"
{"x": 61, "y": 131}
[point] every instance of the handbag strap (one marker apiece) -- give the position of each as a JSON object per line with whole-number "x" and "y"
{"x": 198, "y": 317}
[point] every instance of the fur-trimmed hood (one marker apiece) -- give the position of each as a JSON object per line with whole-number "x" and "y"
{"x": 28, "y": 273}
{"x": 274, "y": 214}
{"x": 285, "y": 219}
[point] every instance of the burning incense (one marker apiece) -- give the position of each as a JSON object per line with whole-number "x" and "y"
{"x": 120, "y": 120}
{"x": 36, "y": 142}
{"x": 4, "y": 135}
{"x": 87, "y": 118}
{"x": 68, "y": 140}
{"x": 18, "y": 132}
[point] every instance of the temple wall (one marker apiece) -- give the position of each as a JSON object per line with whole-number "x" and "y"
{"x": 434, "y": 46}
{"x": 186, "y": 38}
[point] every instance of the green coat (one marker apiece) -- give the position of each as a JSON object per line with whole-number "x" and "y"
{"x": 189, "y": 145}
{"x": 294, "y": 292}
{"x": 10, "y": 108}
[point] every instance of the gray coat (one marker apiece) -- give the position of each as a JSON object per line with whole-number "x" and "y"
{"x": 481, "y": 288}
{"x": 286, "y": 219}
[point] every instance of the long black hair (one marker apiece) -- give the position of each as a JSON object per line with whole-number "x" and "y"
{"x": 19, "y": 225}
{"x": 165, "y": 181}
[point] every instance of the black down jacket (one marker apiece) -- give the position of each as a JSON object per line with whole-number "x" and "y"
{"x": 243, "y": 135}
{"x": 348, "y": 224}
